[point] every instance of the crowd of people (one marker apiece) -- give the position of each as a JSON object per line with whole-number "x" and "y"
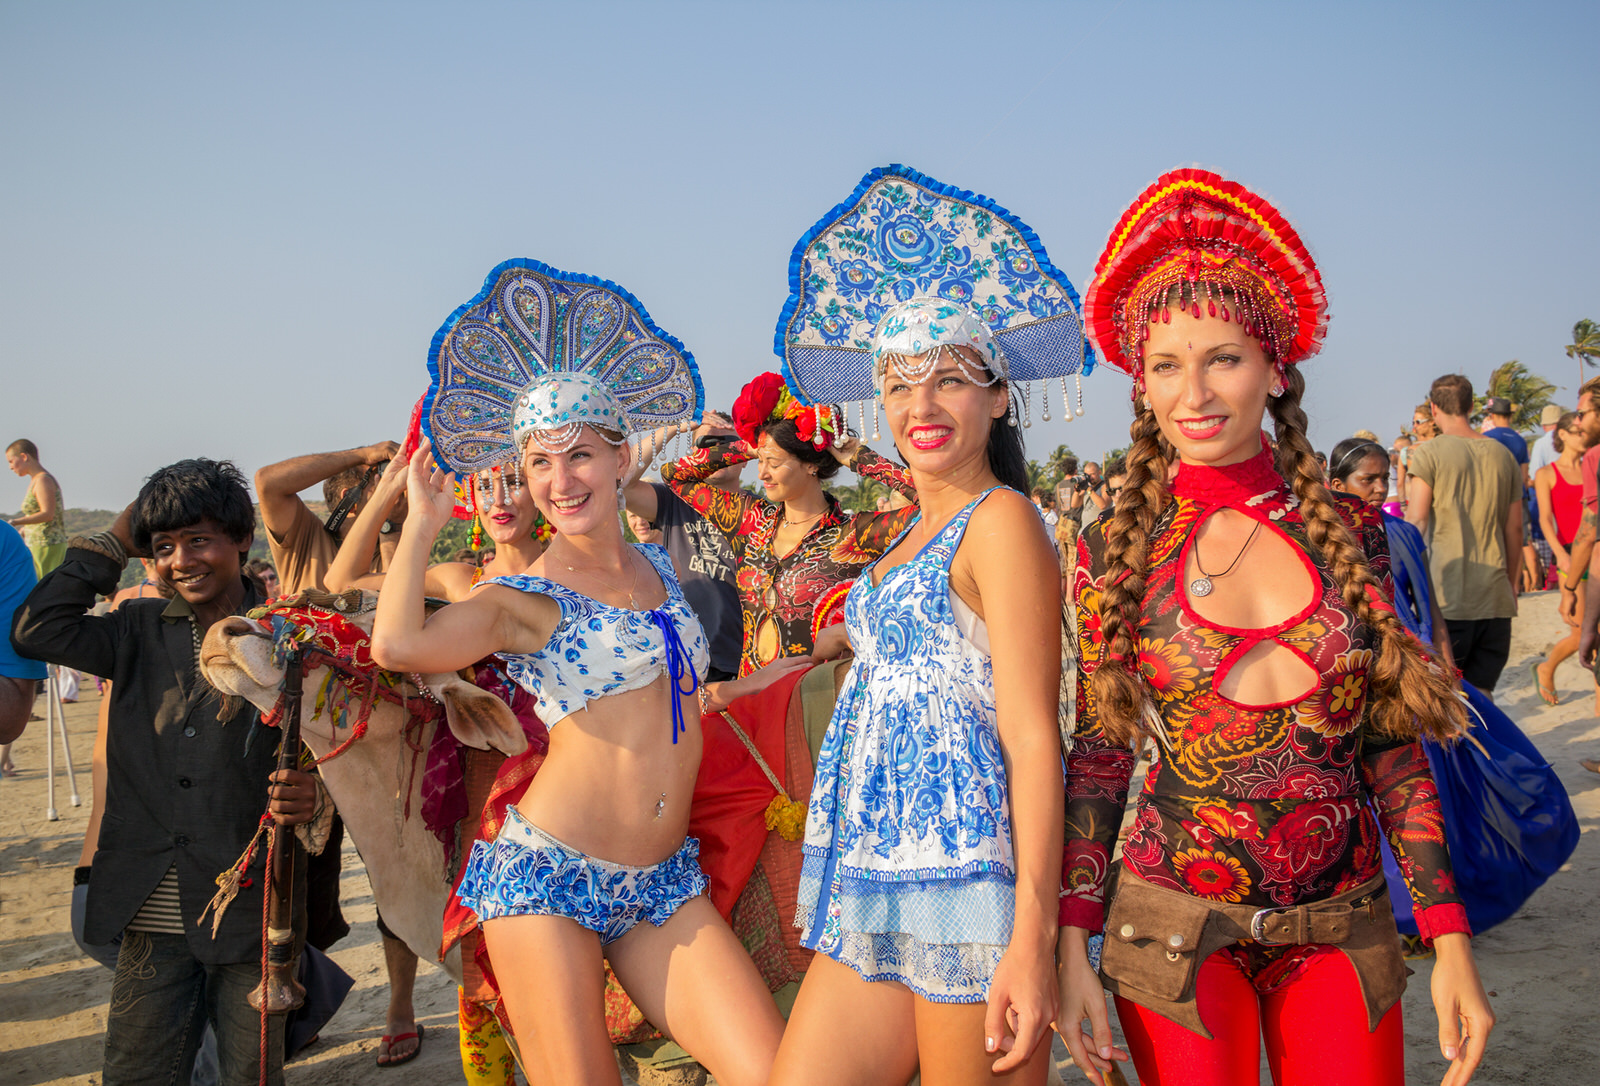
{"x": 956, "y": 888}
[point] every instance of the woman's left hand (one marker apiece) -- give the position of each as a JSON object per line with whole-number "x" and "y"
{"x": 1462, "y": 1005}
{"x": 1022, "y": 1004}
{"x": 844, "y": 450}
{"x": 430, "y": 490}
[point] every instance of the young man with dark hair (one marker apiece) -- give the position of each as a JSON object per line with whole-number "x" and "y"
{"x": 1464, "y": 492}
{"x": 185, "y": 790}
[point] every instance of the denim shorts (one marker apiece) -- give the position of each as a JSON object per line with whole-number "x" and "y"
{"x": 526, "y": 872}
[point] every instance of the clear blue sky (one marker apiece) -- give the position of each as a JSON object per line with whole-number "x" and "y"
{"x": 231, "y": 230}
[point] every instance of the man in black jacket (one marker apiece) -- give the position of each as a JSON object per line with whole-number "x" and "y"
{"x": 185, "y": 790}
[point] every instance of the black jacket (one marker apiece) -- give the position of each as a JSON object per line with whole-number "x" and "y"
{"x": 180, "y": 787}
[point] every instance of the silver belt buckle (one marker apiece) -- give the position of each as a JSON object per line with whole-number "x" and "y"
{"x": 1258, "y": 926}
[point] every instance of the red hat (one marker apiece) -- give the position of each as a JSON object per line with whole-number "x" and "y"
{"x": 1249, "y": 265}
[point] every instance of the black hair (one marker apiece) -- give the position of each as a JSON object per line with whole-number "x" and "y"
{"x": 1344, "y": 460}
{"x": 1117, "y": 466}
{"x": 1006, "y": 457}
{"x": 1069, "y": 465}
{"x": 183, "y": 494}
{"x": 333, "y": 488}
{"x": 787, "y": 438}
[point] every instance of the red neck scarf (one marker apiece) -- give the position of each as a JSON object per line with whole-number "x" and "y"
{"x": 1232, "y": 484}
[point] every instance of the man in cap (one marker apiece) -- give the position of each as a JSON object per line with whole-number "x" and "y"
{"x": 1543, "y": 451}
{"x": 1497, "y": 424}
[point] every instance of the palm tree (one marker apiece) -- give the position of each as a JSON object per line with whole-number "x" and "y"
{"x": 1527, "y": 392}
{"x": 1585, "y": 345}
{"x": 862, "y": 497}
{"x": 1058, "y": 463}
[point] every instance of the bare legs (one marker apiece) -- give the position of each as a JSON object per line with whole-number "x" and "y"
{"x": 850, "y": 1032}
{"x": 690, "y": 977}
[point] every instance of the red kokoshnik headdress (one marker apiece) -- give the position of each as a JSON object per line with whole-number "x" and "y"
{"x": 1193, "y": 227}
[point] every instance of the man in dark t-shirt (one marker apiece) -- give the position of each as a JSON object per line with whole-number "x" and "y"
{"x": 705, "y": 566}
{"x": 700, "y": 555}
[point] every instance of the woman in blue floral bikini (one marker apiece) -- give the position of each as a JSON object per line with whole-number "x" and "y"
{"x": 594, "y": 859}
{"x": 926, "y": 888}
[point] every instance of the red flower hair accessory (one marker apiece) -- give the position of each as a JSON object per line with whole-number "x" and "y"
{"x": 1237, "y": 253}
{"x": 767, "y": 399}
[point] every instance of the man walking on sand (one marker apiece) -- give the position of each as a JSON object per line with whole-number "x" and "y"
{"x": 1464, "y": 493}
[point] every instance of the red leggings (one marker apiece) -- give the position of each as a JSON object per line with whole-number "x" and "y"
{"x": 1315, "y": 1026}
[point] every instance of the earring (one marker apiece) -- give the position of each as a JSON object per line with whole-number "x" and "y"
{"x": 1280, "y": 383}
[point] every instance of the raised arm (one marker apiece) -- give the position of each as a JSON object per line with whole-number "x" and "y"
{"x": 725, "y": 509}
{"x": 493, "y": 619}
{"x": 278, "y": 486}
{"x": 54, "y": 623}
{"x": 1012, "y": 565}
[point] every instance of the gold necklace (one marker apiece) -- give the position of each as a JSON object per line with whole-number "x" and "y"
{"x": 632, "y": 603}
{"x": 787, "y": 523}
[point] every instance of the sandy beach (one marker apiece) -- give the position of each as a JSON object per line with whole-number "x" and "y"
{"x": 1540, "y": 967}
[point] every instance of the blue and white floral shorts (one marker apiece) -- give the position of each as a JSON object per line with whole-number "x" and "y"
{"x": 526, "y": 872}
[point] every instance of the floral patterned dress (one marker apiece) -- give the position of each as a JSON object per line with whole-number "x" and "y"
{"x": 909, "y": 872}
{"x": 785, "y": 600}
{"x": 1270, "y": 805}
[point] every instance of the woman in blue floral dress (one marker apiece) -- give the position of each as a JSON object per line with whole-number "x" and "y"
{"x": 927, "y": 887}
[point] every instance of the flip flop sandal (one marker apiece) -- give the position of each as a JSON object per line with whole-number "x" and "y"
{"x": 1546, "y": 693}
{"x": 390, "y": 1041}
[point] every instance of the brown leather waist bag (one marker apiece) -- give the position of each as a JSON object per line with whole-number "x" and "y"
{"x": 1156, "y": 939}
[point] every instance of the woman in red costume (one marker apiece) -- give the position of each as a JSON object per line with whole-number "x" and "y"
{"x": 797, "y": 550}
{"x": 1235, "y": 611}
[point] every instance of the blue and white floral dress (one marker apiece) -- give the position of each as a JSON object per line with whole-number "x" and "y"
{"x": 908, "y": 871}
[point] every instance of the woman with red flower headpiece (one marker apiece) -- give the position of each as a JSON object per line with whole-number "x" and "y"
{"x": 1236, "y": 612}
{"x": 796, "y": 546}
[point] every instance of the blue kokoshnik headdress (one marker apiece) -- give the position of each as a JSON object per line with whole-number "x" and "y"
{"x": 907, "y": 266}
{"x": 539, "y": 350}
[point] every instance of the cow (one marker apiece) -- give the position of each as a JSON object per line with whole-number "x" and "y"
{"x": 373, "y": 781}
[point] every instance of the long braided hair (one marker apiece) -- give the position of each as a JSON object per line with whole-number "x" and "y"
{"x": 1408, "y": 695}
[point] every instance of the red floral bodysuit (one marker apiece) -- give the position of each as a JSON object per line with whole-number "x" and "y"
{"x": 786, "y": 600}
{"x": 1269, "y": 805}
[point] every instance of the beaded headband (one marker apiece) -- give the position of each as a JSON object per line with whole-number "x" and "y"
{"x": 900, "y": 238}
{"x": 1235, "y": 253}
{"x": 539, "y": 350}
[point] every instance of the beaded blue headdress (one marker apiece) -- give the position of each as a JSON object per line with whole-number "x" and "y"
{"x": 544, "y": 351}
{"x": 904, "y": 250}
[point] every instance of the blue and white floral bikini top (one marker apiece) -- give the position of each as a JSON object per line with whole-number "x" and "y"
{"x": 597, "y": 649}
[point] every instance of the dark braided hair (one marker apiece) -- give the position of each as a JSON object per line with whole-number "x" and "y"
{"x": 1117, "y": 686}
{"x": 1408, "y": 694}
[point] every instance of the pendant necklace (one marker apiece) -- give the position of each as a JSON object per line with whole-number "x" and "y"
{"x": 632, "y": 604}
{"x": 1202, "y": 585}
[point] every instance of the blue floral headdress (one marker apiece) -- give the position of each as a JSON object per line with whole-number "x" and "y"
{"x": 547, "y": 351}
{"x": 906, "y": 259}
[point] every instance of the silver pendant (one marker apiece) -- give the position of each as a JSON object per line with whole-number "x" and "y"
{"x": 661, "y": 804}
{"x": 1200, "y": 586}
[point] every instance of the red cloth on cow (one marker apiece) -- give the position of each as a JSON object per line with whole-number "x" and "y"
{"x": 731, "y": 794}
